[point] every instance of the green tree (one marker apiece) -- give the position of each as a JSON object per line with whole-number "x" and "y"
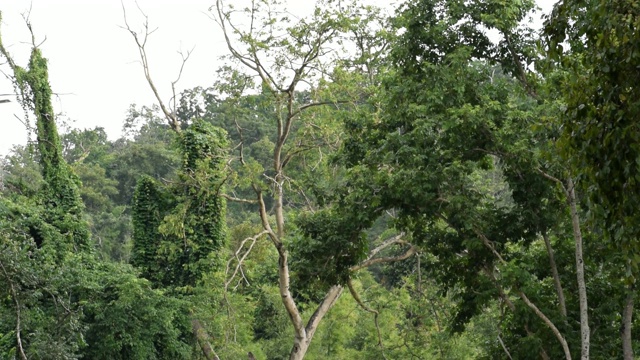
{"x": 54, "y": 289}
{"x": 178, "y": 230}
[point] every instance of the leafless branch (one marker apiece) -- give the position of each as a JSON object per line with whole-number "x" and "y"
{"x": 327, "y": 303}
{"x": 489, "y": 245}
{"x": 526, "y": 300}
{"x": 141, "y": 43}
{"x": 394, "y": 240}
{"x": 244, "y": 256}
{"x": 265, "y": 220}
{"x": 504, "y": 347}
{"x": 185, "y": 58}
{"x": 549, "y": 323}
{"x": 239, "y": 200}
{"x": 6, "y": 54}
{"x": 554, "y": 179}
{"x": 383, "y": 245}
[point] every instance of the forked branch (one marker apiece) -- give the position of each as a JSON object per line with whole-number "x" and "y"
{"x": 240, "y": 260}
{"x": 372, "y": 260}
{"x": 141, "y": 42}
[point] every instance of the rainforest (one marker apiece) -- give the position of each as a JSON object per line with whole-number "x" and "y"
{"x": 442, "y": 181}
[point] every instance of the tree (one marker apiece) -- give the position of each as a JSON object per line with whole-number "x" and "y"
{"x": 57, "y": 288}
{"x": 294, "y": 133}
{"x": 599, "y": 133}
{"x": 424, "y": 155}
{"x": 177, "y": 231}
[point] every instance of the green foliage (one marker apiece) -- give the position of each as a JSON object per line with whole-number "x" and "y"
{"x": 430, "y": 128}
{"x": 599, "y": 134}
{"x": 178, "y": 229}
{"x": 58, "y": 300}
{"x": 59, "y": 193}
{"x": 130, "y": 320}
{"x": 149, "y": 207}
{"x": 330, "y": 243}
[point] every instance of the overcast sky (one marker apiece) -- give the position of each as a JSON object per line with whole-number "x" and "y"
{"x": 93, "y": 62}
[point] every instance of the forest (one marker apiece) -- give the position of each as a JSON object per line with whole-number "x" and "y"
{"x": 445, "y": 182}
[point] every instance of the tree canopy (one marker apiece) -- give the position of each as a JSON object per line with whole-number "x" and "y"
{"x": 444, "y": 182}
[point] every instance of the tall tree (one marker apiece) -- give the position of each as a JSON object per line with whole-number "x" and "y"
{"x": 599, "y": 129}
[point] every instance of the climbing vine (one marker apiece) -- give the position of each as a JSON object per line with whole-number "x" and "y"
{"x": 59, "y": 194}
{"x": 178, "y": 228}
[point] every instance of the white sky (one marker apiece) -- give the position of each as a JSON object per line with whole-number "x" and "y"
{"x": 93, "y": 63}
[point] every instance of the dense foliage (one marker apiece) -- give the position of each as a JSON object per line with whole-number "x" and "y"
{"x": 442, "y": 183}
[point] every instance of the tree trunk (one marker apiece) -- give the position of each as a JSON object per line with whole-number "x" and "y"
{"x": 582, "y": 287}
{"x": 549, "y": 323}
{"x": 627, "y": 314}
{"x": 301, "y": 345}
{"x": 556, "y": 277}
{"x": 300, "y": 348}
{"x": 203, "y": 340}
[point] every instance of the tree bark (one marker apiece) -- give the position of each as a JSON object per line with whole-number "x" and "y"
{"x": 549, "y": 323}
{"x": 556, "y": 277}
{"x": 203, "y": 340}
{"x": 582, "y": 287}
{"x": 627, "y": 315}
{"x": 301, "y": 344}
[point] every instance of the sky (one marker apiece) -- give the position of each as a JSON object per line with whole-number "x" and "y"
{"x": 93, "y": 62}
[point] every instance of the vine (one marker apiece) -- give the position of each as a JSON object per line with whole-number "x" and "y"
{"x": 178, "y": 227}
{"x": 59, "y": 194}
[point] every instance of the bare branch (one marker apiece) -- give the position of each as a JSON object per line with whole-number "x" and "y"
{"x": 265, "y": 220}
{"x": 327, "y": 303}
{"x": 549, "y": 324}
{"x": 185, "y": 58}
{"x": 489, "y": 245}
{"x": 320, "y": 103}
{"x": 239, "y": 200}
{"x": 5, "y": 53}
{"x": 244, "y": 256}
{"x": 394, "y": 240}
{"x": 556, "y": 180}
{"x": 203, "y": 340}
{"x": 142, "y": 51}
{"x": 504, "y": 347}
{"x": 526, "y": 300}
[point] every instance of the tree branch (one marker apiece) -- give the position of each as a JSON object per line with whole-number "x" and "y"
{"x": 239, "y": 200}
{"x": 375, "y": 313}
{"x": 14, "y": 295}
{"x": 244, "y": 256}
{"x": 526, "y": 300}
{"x": 327, "y": 303}
{"x": 203, "y": 340}
{"x": 170, "y": 116}
{"x": 370, "y": 261}
{"x": 545, "y": 319}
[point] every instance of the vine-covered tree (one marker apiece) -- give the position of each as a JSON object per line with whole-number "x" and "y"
{"x": 179, "y": 229}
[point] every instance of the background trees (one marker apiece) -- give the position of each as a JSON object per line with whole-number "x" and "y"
{"x": 395, "y": 187}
